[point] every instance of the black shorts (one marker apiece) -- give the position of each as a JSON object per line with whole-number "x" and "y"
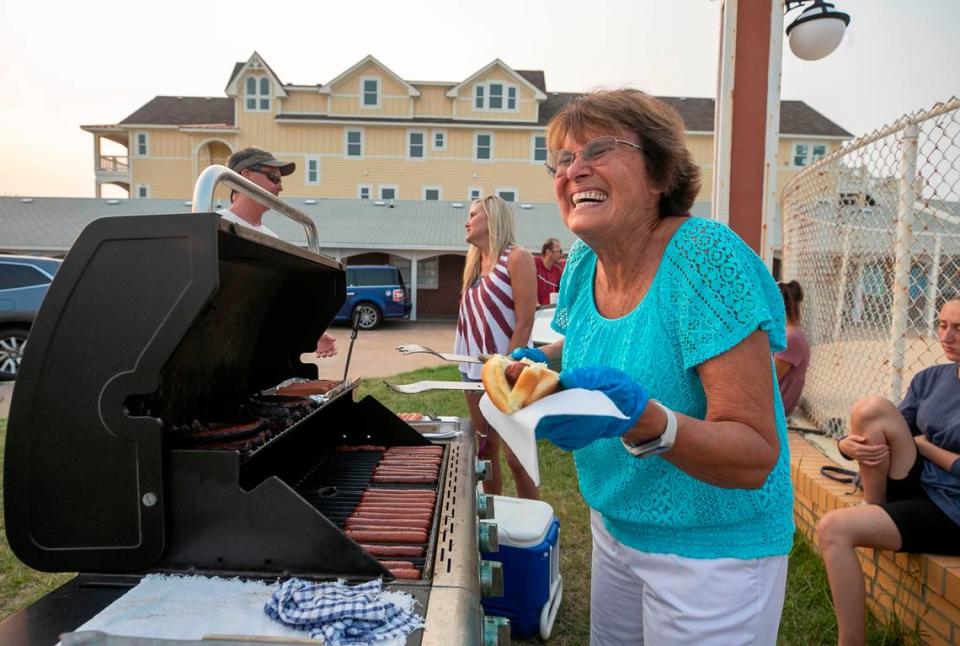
{"x": 922, "y": 524}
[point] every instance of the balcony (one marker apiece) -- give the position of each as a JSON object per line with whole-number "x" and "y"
{"x": 113, "y": 165}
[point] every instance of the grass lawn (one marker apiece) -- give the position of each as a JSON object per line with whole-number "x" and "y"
{"x": 808, "y": 613}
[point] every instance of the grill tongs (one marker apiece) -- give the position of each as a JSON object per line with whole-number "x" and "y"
{"x": 412, "y": 348}
{"x": 424, "y": 386}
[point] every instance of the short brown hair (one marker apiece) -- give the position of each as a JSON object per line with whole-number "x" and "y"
{"x": 658, "y": 127}
{"x": 548, "y": 245}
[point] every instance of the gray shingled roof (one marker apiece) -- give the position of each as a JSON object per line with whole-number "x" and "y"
{"x": 183, "y": 111}
{"x": 51, "y": 224}
{"x": 796, "y": 117}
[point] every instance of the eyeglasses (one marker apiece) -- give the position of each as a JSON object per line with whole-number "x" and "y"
{"x": 559, "y": 160}
{"x": 276, "y": 178}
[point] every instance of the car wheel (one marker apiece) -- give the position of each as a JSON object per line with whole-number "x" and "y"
{"x": 12, "y": 344}
{"x": 368, "y": 315}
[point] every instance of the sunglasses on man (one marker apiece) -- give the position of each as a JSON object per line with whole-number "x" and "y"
{"x": 273, "y": 176}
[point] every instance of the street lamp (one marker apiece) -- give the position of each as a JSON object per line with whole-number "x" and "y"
{"x": 817, "y": 31}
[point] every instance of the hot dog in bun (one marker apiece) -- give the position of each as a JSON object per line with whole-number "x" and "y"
{"x": 511, "y": 385}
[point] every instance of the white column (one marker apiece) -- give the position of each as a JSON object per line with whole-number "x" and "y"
{"x": 723, "y": 113}
{"x": 844, "y": 270}
{"x": 902, "y": 257}
{"x": 414, "y": 262}
{"x": 933, "y": 284}
{"x": 771, "y": 210}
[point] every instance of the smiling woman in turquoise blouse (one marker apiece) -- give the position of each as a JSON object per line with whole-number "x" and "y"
{"x": 674, "y": 318}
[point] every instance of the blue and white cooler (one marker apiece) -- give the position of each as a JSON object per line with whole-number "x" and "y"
{"x": 529, "y": 537}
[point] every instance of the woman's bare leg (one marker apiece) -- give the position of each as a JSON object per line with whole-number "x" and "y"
{"x": 490, "y": 441}
{"x": 525, "y": 486}
{"x": 879, "y": 421}
{"x": 838, "y": 535}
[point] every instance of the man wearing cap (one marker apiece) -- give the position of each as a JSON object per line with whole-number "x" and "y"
{"x": 264, "y": 170}
{"x": 267, "y": 172}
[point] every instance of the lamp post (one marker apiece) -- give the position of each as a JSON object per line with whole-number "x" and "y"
{"x": 747, "y": 114}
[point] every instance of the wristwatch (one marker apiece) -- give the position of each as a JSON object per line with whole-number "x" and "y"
{"x": 657, "y": 445}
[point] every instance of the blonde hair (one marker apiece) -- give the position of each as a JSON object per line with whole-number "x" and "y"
{"x": 501, "y": 227}
{"x": 658, "y": 127}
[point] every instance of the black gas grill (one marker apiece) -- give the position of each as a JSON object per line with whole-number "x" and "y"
{"x": 159, "y": 325}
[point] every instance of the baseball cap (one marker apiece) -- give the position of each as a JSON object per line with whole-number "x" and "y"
{"x": 250, "y": 157}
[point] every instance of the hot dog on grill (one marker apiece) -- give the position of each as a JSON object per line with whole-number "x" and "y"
{"x": 511, "y": 385}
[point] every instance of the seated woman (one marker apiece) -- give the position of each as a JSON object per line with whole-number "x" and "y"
{"x": 792, "y": 362}
{"x": 910, "y": 467}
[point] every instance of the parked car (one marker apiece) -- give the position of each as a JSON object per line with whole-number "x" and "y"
{"x": 23, "y": 284}
{"x": 374, "y": 292}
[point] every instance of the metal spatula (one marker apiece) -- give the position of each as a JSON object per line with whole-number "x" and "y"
{"x": 424, "y": 386}
{"x": 412, "y": 348}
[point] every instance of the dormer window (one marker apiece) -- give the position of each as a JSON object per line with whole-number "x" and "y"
{"x": 371, "y": 92}
{"x": 495, "y": 96}
{"x": 257, "y": 94}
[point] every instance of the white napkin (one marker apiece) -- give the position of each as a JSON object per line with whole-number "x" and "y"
{"x": 517, "y": 430}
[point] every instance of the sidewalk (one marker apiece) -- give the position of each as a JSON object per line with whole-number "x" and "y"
{"x": 374, "y": 352}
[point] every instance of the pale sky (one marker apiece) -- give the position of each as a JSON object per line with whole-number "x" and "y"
{"x": 63, "y": 64}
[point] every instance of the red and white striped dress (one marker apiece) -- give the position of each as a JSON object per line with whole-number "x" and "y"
{"x": 487, "y": 320}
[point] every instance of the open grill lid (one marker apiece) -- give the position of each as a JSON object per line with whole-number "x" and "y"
{"x": 151, "y": 321}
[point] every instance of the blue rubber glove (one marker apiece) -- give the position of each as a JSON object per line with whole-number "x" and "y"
{"x": 534, "y": 354}
{"x": 571, "y": 432}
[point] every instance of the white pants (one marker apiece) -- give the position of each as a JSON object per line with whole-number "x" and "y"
{"x": 660, "y": 599}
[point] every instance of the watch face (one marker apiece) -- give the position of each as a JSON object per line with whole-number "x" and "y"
{"x": 645, "y": 449}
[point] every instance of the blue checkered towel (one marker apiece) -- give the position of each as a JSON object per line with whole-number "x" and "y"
{"x": 343, "y": 614}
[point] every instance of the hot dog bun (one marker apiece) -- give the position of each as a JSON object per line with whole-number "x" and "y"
{"x": 534, "y": 382}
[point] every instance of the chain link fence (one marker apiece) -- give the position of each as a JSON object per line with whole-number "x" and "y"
{"x": 872, "y": 234}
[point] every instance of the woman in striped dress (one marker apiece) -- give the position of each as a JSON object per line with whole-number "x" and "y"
{"x": 497, "y": 305}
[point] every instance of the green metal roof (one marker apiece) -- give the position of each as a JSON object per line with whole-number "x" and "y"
{"x": 49, "y": 225}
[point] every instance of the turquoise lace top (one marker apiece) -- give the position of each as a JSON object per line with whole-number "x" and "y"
{"x": 710, "y": 292}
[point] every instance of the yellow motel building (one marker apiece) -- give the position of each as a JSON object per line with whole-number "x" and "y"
{"x": 370, "y": 134}
{"x": 385, "y": 166}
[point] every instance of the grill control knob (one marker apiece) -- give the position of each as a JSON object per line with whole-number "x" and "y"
{"x": 496, "y": 631}
{"x": 491, "y": 579}
{"x": 484, "y": 470}
{"x": 485, "y": 506}
{"x": 487, "y": 539}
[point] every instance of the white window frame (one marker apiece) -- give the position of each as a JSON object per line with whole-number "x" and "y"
{"x": 346, "y": 143}
{"x": 533, "y": 148}
{"x": 809, "y": 156}
{"x": 426, "y": 268}
{"x": 482, "y": 95}
{"x": 508, "y": 189}
{"x": 476, "y": 147}
{"x": 311, "y": 159}
{"x": 438, "y": 189}
{"x": 145, "y": 188}
{"x": 423, "y": 144}
{"x": 363, "y": 92}
{"x": 258, "y": 96}
{"x": 814, "y": 158}
{"x": 433, "y": 140}
{"x": 479, "y": 97}
{"x": 146, "y": 144}
{"x": 478, "y": 189}
{"x": 360, "y": 188}
{"x": 396, "y": 191}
